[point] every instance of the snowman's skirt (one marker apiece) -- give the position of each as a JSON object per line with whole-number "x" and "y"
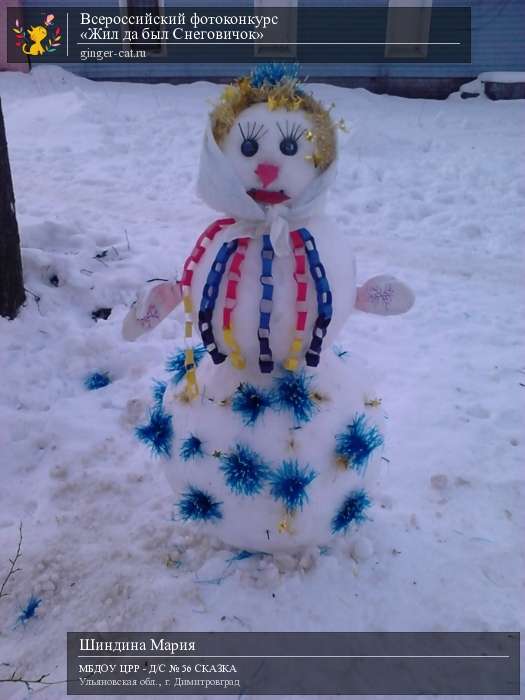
{"x": 275, "y": 462}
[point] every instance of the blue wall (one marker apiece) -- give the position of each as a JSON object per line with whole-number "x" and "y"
{"x": 498, "y": 43}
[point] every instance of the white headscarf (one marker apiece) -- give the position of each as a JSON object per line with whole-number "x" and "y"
{"x": 221, "y": 188}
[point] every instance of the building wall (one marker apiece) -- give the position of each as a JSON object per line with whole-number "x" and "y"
{"x": 498, "y": 43}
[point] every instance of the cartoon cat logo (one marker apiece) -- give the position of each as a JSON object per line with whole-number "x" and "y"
{"x": 37, "y": 35}
{"x": 36, "y": 41}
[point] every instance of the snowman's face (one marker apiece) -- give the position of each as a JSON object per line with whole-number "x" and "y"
{"x": 272, "y": 152}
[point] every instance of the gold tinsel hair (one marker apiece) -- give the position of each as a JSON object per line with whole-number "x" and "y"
{"x": 285, "y": 94}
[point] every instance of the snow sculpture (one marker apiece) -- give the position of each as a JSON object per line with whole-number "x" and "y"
{"x": 267, "y": 437}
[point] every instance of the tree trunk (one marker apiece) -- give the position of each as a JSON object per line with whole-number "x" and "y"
{"x": 12, "y": 294}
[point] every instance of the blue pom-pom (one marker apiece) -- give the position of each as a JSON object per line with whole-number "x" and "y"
{"x": 250, "y": 402}
{"x": 245, "y": 470}
{"x": 273, "y": 73}
{"x": 158, "y": 433}
{"x": 351, "y": 512}
{"x": 191, "y": 448}
{"x": 97, "y": 380}
{"x": 292, "y": 393}
{"x": 198, "y": 505}
{"x": 159, "y": 389}
{"x": 289, "y": 485}
{"x": 29, "y": 610}
{"x": 355, "y": 445}
{"x": 175, "y": 363}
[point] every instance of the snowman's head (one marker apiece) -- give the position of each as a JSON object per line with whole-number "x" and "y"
{"x": 277, "y": 137}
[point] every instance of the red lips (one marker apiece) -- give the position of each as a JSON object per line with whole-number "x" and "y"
{"x": 268, "y": 196}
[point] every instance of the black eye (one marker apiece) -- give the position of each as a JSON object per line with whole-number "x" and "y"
{"x": 249, "y": 147}
{"x": 291, "y": 135}
{"x": 289, "y": 146}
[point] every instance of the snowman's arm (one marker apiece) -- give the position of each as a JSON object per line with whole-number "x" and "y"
{"x": 384, "y": 295}
{"x": 154, "y": 302}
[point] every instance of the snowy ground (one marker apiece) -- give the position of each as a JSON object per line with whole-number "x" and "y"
{"x": 430, "y": 191}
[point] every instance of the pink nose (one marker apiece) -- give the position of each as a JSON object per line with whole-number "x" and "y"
{"x": 267, "y": 173}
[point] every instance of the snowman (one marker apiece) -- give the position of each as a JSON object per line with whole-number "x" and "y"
{"x": 269, "y": 439}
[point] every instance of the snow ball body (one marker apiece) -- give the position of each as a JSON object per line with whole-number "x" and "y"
{"x": 294, "y": 174}
{"x": 275, "y": 461}
{"x": 337, "y": 258}
{"x": 330, "y": 444}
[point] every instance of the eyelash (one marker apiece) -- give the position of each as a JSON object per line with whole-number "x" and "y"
{"x": 295, "y": 131}
{"x": 253, "y": 131}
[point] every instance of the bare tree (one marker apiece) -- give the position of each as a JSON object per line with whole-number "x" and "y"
{"x": 12, "y": 294}
{"x": 13, "y": 568}
{"x": 17, "y": 678}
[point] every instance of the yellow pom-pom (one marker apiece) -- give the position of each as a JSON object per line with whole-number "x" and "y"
{"x": 284, "y": 527}
{"x": 341, "y": 462}
{"x": 373, "y": 403}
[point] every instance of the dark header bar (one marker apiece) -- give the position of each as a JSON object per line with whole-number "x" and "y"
{"x": 239, "y": 35}
{"x": 293, "y": 663}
